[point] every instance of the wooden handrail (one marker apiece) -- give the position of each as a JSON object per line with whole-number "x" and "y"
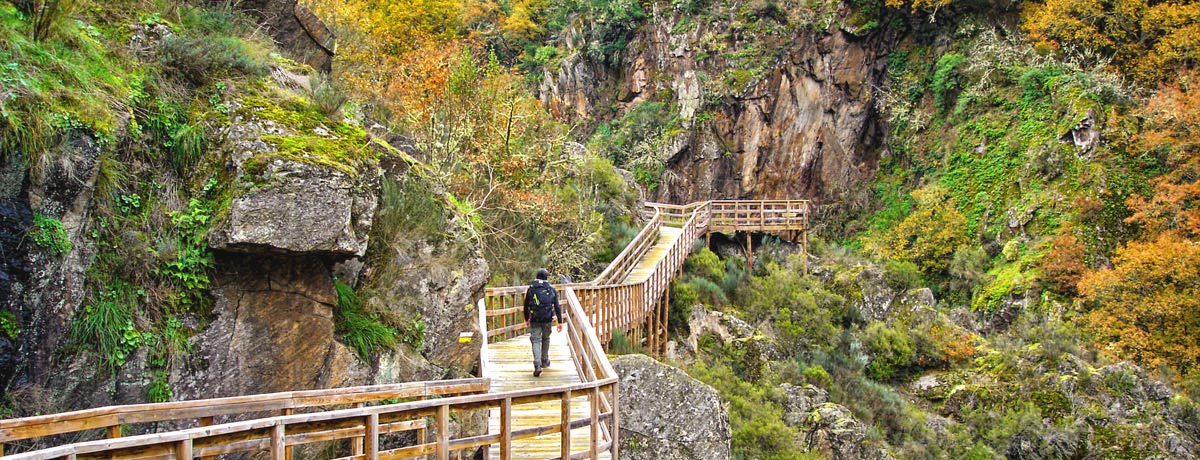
{"x": 115, "y": 416}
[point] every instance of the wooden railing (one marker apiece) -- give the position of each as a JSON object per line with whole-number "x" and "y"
{"x": 204, "y": 412}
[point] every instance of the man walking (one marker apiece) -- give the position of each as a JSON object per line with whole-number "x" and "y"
{"x": 541, "y": 307}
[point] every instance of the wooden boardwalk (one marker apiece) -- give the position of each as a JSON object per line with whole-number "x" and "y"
{"x": 511, "y": 369}
{"x": 666, "y": 239}
{"x": 526, "y": 414}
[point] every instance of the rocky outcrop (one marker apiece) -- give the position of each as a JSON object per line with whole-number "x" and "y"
{"x": 302, "y": 209}
{"x": 295, "y": 29}
{"x": 48, "y": 286}
{"x": 794, "y": 124}
{"x": 652, "y": 393}
{"x": 827, "y": 428}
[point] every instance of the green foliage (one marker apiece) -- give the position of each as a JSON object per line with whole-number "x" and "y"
{"x": 49, "y": 233}
{"x": 705, "y": 264}
{"x": 10, "y": 328}
{"x": 622, "y": 345}
{"x": 407, "y": 206}
{"x": 946, "y": 79}
{"x": 159, "y": 389}
{"x": 188, "y": 269}
{"x": 806, "y": 314}
{"x": 359, "y": 329}
{"x": 755, "y": 415}
{"x": 683, "y": 299}
{"x": 201, "y": 59}
{"x": 901, "y": 275}
{"x": 106, "y": 326}
{"x": 891, "y": 352}
{"x": 927, "y": 236}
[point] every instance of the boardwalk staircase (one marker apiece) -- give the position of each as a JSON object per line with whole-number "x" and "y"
{"x": 570, "y": 412}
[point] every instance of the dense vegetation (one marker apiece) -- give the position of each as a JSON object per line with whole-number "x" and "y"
{"x": 1050, "y": 260}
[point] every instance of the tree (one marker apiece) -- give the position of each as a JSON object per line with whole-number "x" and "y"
{"x": 1172, "y": 131}
{"x": 1148, "y": 39}
{"x": 928, "y": 236}
{"x": 1147, "y": 307}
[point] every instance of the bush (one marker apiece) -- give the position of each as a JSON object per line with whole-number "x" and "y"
{"x": 705, "y": 264}
{"x": 946, "y": 78}
{"x": 891, "y": 352}
{"x": 902, "y": 275}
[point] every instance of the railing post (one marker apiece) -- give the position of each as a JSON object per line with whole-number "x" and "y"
{"x": 356, "y": 443}
{"x": 565, "y": 429}
{"x": 506, "y": 429}
{"x": 594, "y": 402}
{"x": 372, "y": 437}
{"x": 287, "y": 451}
{"x": 277, "y": 444}
{"x": 183, "y": 449}
{"x": 443, "y": 422}
{"x": 616, "y": 422}
{"x": 113, "y": 432}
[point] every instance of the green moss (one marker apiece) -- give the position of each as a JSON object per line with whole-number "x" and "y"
{"x": 49, "y": 233}
{"x": 342, "y": 146}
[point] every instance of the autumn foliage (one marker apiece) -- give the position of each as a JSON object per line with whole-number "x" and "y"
{"x": 1147, "y": 307}
{"x": 1148, "y": 39}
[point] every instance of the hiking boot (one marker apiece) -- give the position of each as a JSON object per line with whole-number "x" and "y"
{"x": 546, "y": 364}
{"x": 537, "y": 372}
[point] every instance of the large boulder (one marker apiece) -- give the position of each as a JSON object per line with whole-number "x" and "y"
{"x": 303, "y": 208}
{"x": 667, "y": 415}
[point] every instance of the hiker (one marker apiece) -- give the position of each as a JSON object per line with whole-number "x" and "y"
{"x": 541, "y": 307}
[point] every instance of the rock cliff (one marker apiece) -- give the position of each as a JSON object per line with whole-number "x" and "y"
{"x": 762, "y": 108}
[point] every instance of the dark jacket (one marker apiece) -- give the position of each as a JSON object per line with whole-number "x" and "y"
{"x": 531, "y": 302}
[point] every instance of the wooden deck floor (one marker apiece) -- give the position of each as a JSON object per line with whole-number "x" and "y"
{"x": 666, "y": 238}
{"x": 510, "y": 366}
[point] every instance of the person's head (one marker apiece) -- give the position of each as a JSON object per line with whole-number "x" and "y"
{"x": 543, "y": 274}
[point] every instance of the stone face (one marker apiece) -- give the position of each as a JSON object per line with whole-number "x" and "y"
{"x": 667, "y": 415}
{"x": 273, "y": 331}
{"x": 302, "y": 209}
{"x": 436, "y": 282}
{"x": 295, "y": 29}
{"x": 804, "y": 129}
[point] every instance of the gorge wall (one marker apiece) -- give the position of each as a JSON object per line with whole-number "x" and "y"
{"x": 762, "y": 104}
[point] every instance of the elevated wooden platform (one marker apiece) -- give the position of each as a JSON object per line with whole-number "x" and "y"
{"x": 510, "y": 366}
{"x": 667, "y": 237}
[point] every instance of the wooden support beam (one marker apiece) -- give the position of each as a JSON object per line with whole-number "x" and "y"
{"x": 506, "y": 429}
{"x": 113, "y": 432}
{"x": 565, "y": 429}
{"x": 443, "y": 424}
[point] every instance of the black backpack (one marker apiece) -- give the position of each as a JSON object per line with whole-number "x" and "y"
{"x": 541, "y": 298}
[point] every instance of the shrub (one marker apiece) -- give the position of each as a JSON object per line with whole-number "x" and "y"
{"x": 683, "y": 298}
{"x": 705, "y": 264}
{"x": 902, "y": 275}
{"x": 946, "y": 77}
{"x": 891, "y": 352}
{"x": 205, "y": 58}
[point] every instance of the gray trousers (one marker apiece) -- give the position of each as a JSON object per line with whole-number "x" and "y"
{"x": 539, "y": 335}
